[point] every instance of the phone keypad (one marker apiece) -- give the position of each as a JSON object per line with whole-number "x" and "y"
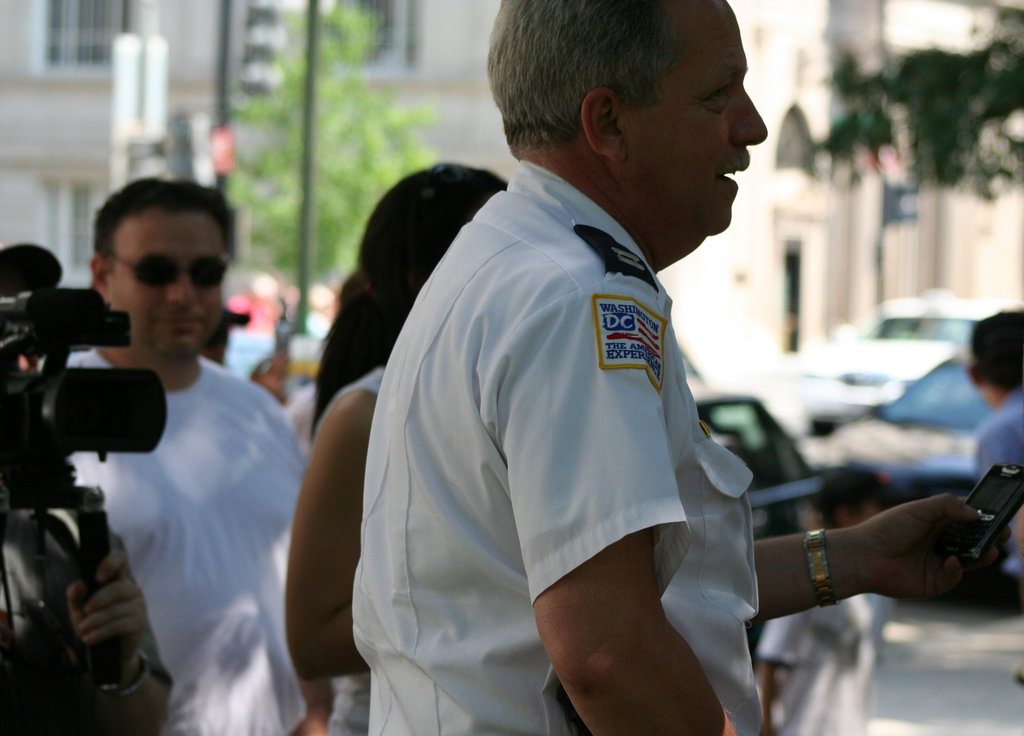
{"x": 959, "y": 537}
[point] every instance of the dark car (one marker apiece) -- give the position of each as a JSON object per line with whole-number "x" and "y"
{"x": 783, "y": 481}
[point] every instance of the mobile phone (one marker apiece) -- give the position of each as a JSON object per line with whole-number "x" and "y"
{"x": 282, "y": 335}
{"x": 997, "y": 497}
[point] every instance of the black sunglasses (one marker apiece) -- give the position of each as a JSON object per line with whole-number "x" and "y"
{"x": 160, "y": 270}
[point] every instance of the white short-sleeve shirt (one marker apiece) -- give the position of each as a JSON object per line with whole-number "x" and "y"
{"x": 534, "y": 411}
{"x": 830, "y": 656}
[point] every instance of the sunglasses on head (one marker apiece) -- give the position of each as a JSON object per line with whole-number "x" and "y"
{"x": 442, "y": 176}
{"x": 450, "y": 173}
{"x": 159, "y": 270}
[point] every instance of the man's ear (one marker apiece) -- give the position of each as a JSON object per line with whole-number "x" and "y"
{"x": 972, "y": 373}
{"x": 599, "y": 115}
{"x": 101, "y": 268}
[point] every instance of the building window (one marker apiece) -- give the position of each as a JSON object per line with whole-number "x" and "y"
{"x": 796, "y": 147}
{"x": 70, "y": 208}
{"x": 80, "y": 33}
{"x": 396, "y": 39}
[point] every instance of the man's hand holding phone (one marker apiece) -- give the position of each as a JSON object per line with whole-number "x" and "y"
{"x": 996, "y": 498}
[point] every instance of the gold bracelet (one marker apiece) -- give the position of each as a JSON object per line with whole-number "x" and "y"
{"x": 817, "y": 562}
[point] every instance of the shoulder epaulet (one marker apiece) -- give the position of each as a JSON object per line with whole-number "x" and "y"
{"x": 617, "y": 258}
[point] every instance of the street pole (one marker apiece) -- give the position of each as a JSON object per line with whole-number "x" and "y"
{"x": 139, "y": 70}
{"x": 307, "y": 218}
{"x": 223, "y": 78}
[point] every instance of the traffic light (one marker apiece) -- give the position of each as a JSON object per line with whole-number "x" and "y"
{"x": 264, "y": 38}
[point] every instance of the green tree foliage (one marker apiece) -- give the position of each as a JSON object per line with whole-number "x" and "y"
{"x": 366, "y": 141}
{"x": 957, "y": 119}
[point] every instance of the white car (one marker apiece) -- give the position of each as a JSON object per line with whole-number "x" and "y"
{"x": 905, "y": 338}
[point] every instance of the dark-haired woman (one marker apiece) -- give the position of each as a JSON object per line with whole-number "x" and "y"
{"x": 407, "y": 234}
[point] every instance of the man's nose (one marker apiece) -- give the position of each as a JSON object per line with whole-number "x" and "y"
{"x": 181, "y": 289}
{"x": 750, "y": 129}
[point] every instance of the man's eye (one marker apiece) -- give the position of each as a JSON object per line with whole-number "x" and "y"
{"x": 718, "y": 99}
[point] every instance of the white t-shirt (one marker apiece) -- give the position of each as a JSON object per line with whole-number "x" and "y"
{"x": 830, "y": 655}
{"x": 535, "y": 411}
{"x": 205, "y": 519}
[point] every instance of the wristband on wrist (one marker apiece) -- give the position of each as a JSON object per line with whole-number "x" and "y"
{"x": 817, "y": 563}
{"x": 135, "y": 684}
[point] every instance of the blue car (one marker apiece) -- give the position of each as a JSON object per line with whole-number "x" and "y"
{"x": 924, "y": 438}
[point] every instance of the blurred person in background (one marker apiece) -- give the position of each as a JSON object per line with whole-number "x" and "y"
{"x": 816, "y": 668}
{"x": 262, "y": 301}
{"x": 46, "y": 620}
{"x": 323, "y": 307}
{"x": 264, "y": 304}
{"x": 407, "y": 234}
{"x": 271, "y": 373}
{"x": 997, "y": 368}
{"x": 216, "y": 347}
{"x": 206, "y": 516}
{"x": 301, "y": 404}
{"x": 997, "y": 352}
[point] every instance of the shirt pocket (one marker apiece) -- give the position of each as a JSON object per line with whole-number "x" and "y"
{"x": 727, "y": 473}
{"x": 727, "y": 576}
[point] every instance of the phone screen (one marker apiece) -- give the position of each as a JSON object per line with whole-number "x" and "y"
{"x": 992, "y": 494}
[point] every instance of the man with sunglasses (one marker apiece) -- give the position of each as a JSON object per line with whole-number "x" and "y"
{"x": 205, "y": 517}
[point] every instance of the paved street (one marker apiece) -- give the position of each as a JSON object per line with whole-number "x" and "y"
{"x": 947, "y": 672}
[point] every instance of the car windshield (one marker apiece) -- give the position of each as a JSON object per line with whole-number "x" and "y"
{"x": 950, "y": 329}
{"x": 945, "y": 397}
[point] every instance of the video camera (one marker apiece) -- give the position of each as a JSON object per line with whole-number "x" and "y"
{"x": 48, "y": 411}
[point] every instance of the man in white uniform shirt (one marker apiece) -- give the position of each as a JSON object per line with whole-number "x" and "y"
{"x": 205, "y": 517}
{"x": 551, "y": 541}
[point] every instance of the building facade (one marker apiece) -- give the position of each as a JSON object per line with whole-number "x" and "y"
{"x": 805, "y": 252}
{"x": 56, "y": 108}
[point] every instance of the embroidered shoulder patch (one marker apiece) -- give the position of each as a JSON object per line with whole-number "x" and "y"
{"x": 617, "y": 258}
{"x": 629, "y": 335}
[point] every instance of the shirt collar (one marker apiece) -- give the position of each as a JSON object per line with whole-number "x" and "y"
{"x": 569, "y": 204}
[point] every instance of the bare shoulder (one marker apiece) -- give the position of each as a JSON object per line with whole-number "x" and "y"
{"x": 348, "y": 417}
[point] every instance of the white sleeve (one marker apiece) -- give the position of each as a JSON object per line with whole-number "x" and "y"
{"x": 587, "y": 449}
